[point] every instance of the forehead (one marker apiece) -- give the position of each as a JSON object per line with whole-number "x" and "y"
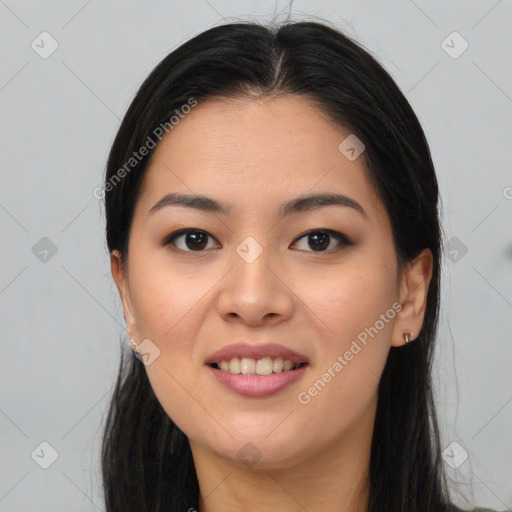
{"x": 252, "y": 152}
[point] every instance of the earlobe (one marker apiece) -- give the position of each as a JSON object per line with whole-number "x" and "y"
{"x": 414, "y": 287}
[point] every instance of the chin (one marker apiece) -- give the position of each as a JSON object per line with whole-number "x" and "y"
{"x": 260, "y": 452}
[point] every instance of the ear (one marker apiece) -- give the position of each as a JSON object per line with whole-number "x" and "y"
{"x": 414, "y": 283}
{"x": 121, "y": 280}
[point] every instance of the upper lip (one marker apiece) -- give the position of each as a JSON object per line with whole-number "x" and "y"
{"x": 255, "y": 351}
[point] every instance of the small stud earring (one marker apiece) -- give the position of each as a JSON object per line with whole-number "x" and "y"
{"x": 407, "y": 337}
{"x": 133, "y": 344}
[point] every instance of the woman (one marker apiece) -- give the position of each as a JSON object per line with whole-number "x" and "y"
{"x": 272, "y": 220}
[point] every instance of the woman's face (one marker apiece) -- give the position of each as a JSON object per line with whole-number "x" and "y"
{"x": 248, "y": 273}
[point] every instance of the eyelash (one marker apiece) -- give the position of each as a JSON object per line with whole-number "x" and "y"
{"x": 340, "y": 237}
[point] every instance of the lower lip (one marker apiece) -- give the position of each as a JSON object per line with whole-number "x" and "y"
{"x": 258, "y": 385}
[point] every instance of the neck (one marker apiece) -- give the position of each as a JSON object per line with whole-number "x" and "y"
{"x": 335, "y": 479}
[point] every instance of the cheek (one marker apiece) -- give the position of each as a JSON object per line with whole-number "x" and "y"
{"x": 167, "y": 306}
{"x": 166, "y": 296}
{"x": 355, "y": 325}
{"x": 348, "y": 299}
{"x": 343, "y": 386}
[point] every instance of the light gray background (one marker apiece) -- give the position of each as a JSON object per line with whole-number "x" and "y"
{"x": 61, "y": 318}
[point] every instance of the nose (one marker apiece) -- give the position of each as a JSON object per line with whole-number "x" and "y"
{"x": 256, "y": 292}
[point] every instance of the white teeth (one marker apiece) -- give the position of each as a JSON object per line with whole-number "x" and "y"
{"x": 234, "y": 365}
{"x": 288, "y": 365}
{"x": 264, "y": 366}
{"x": 249, "y": 366}
{"x": 277, "y": 364}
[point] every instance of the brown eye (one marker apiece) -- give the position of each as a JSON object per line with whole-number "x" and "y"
{"x": 319, "y": 240}
{"x": 193, "y": 240}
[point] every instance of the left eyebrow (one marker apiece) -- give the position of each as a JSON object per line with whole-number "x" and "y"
{"x": 303, "y": 203}
{"x": 203, "y": 203}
